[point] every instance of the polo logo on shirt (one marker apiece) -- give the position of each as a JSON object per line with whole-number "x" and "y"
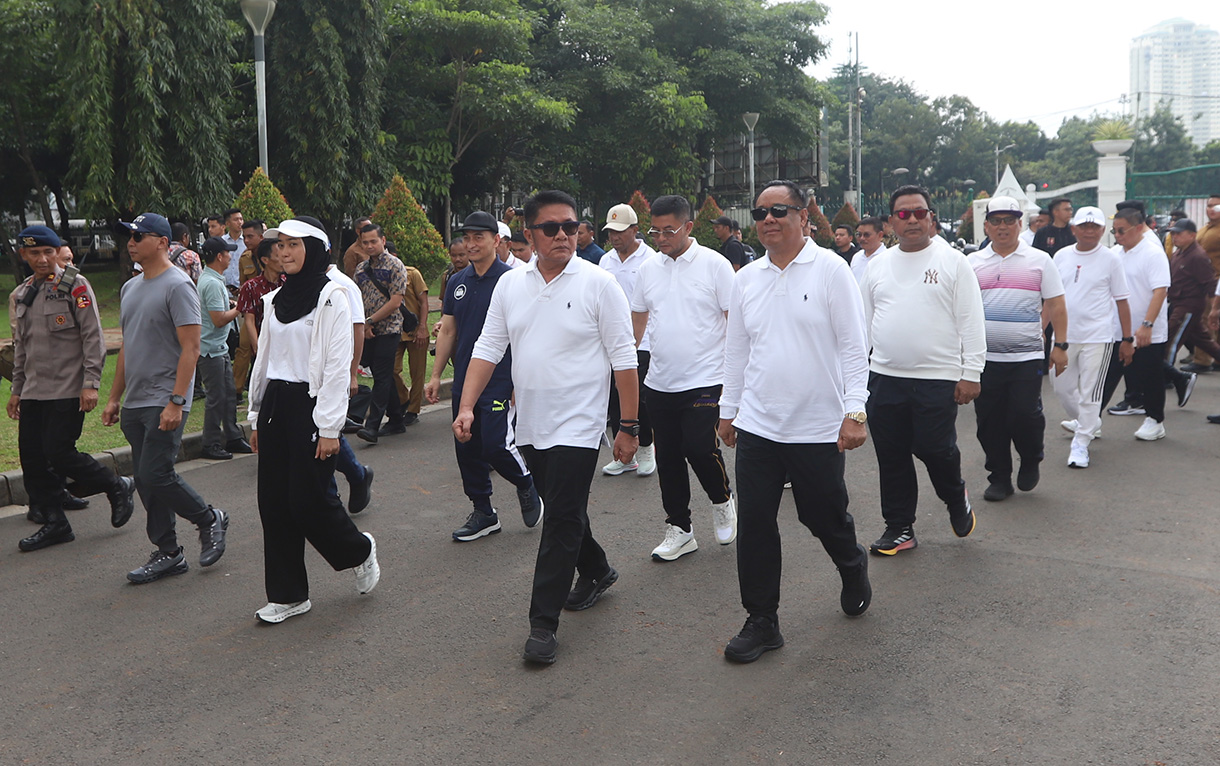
{"x": 459, "y": 292}
{"x": 569, "y": 304}
{"x": 931, "y": 277}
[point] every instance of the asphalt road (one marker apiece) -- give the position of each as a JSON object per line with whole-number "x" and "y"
{"x": 1077, "y": 625}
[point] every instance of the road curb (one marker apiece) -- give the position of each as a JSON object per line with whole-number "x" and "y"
{"x": 12, "y": 483}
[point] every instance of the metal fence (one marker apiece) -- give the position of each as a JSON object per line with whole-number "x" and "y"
{"x": 1169, "y": 190}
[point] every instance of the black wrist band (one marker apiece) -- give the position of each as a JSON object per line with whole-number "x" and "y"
{"x": 629, "y": 422}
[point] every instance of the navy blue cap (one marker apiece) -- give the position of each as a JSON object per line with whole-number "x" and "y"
{"x": 35, "y": 236}
{"x": 217, "y": 245}
{"x": 150, "y": 223}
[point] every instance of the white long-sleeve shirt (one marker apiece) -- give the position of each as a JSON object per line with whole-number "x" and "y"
{"x": 566, "y": 335}
{"x": 323, "y": 358}
{"x": 925, "y": 314}
{"x": 796, "y": 360}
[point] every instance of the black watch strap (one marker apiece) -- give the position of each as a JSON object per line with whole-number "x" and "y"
{"x": 1063, "y": 346}
{"x": 178, "y": 400}
{"x": 1128, "y": 340}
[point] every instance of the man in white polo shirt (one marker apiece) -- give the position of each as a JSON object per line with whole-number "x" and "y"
{"x": 796, "y": 380}
{"x": 929, "y": 345}
{"x": 870, "y": 233}
{"x": 624, "y": 262}
{"x": 1093, "y": 283}
{"x": 569, "y": 326}
{"x": 680, "y": 298}
{"x": 1017, "y": 282}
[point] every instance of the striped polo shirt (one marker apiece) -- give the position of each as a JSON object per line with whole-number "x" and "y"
{"x": 1014, "y": 287}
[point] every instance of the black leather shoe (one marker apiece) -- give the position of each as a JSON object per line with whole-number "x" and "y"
{"x": 392, "y": 429}
{"x": 410, "y": 419}
{"x": 50, "y": 534}
{"x": 122, "y": 501}
{"x": 36, "y": 515}
{"x": 239, "y": 447}
{"x": 212, "y": 538}
{"x": 540, "y": 647}
{"x": 73, "y": 503}
{"x": 367, "y": 434}
{"x": 215, "y": 453}
{"x": 352, "y": 426}
{"x": 361, "y": 492}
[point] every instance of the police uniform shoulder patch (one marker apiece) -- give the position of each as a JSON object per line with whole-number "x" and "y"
{"x": 79, "y": 290}
{"x": 83, "y": 302}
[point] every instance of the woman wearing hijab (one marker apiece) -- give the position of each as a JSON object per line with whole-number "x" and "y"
{"x": 298, "y": 401}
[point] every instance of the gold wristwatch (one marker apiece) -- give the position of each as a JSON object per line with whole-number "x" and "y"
{"x": 860, "y": 417}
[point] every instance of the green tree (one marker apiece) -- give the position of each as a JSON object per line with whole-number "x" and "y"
{"x": 406, "y": 225}
{"x": 260, "y": 200}
{"x": 702, "y": 231}
{"x": 144, "y": 88}
{"x": 846, "y": 215}
{"x": 823, "y": 234}
{"x": 326, "y": 69}
{"x": 1161, "y": 143}
{"x": 643, "y": 210}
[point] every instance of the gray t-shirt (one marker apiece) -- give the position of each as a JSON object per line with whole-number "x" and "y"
{"x": 151, "y": 311}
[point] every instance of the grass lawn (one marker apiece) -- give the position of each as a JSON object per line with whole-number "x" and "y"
{"x": 95, "y": 437}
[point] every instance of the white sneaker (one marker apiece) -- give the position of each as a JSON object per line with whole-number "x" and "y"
{"x": 368, "y": 573}
{"x": 1150, "y": 431}
{"x": 616, "y": 467}
{"x": 646, "y": 462}
{"x": 724, "y": 517}
{"x": 274, "y": 612}
{"x": 676, "y": 543}
{"x": 1071, "y": 425}
{"x": 1079, "y": 458}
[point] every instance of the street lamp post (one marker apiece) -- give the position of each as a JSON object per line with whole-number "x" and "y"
{"x": 751, "y": 119}
{"x": 998, "y": 152}
{"x": 258, "y": 14}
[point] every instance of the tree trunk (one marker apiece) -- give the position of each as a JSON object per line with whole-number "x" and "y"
{"x": 23, "y": 150}
{"x": 448, "y": 231}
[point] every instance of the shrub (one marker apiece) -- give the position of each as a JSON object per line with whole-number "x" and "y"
{"x": 406, "y": 225}
{"x": 643, "y": 210}
{"x": 822, "y": 233}
{"x": 702, "y": 232}
{"x": 261, "y": 200}
{"x": 846, "y": 215}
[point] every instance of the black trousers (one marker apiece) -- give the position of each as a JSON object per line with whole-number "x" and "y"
{"x": 378, "y": 356}
{"x": 912, "y": 418}
{"x": 563, "y": 476}
{"x": 616, "y": 413}
{"x": 294, "y": 498}
{"x": 492, "y": 445}
{"x": 1145, "y": 378}
{"x": 684, "y": 426}
{"x": 46, "y": 440}
{"x": 821, "y": 504}
{"x": 1008, "y": 412}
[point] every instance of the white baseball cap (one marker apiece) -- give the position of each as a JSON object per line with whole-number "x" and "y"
{"x": 1089, "y": 214}
{"x": 504, "y": 231}
{"x": 1004, "y": 204}
{"x": 620, "y": 218}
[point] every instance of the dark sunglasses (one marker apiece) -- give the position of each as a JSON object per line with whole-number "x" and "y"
{"x": 139, "y": 236}
{"x": 552, "y": 229}
{"x": 776, "y": 211}
{"x": 919, "y": 214}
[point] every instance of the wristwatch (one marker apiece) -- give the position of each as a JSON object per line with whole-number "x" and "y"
{"x": 1128, "y": 339}
{"x": 632, "y": 429}
{"x": 859, "y": 417}
{"x": 1063, "y": 346}
{"x": 1146, "y": 323}
{"x": 178, "y": 400}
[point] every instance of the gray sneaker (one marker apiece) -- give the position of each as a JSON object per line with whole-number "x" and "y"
{"x": 160, "y": 564}
{"x": 212, "y": 538}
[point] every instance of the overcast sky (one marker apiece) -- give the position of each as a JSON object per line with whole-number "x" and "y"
{"x": 1023, "y": 64}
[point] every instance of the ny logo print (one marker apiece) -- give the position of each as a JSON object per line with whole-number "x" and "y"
{"x": 930, "y": 277}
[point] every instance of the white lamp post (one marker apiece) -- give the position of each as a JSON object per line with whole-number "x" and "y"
{"x": 258, "y": 14}
{"x": 751, "y": 119}
{"x": 998, "y": 152}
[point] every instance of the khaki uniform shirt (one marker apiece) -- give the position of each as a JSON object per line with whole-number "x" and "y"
{"x": 245, "y": 267}
{"x": 415, "y": 286}
{"x": 1208, "y": 238}
{"x": 58, "y": 344}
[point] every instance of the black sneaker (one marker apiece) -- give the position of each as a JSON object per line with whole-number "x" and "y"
{"x": 239, "y": 446}
{"x": 478, "y": 524}
{"x": 410, "y": 419}
{"x": 1194, "y": 367}
{"x": 392, "y": 429}
{"x": 160, "y": 564}
{"x": 963, "y": 521}
{"x": 997, "y": 491}
{"x": 540, "y": 646}
{"x": 1028, "y": 476}
{"x": 893, "y": 540}
{"x": 588, "y": 591}
{"x": 1126, "y": 408}
{"x": 361, "y": 492}
{"x": 758, "y": 635}
{"x": 531, "y": 506}
{"x": 857, "y": 590}
{"x": 1184, "y": 387}
{"x": 212, "y": 538}
{"x": 122, "y": 500}
{"x": 53, "y": 533}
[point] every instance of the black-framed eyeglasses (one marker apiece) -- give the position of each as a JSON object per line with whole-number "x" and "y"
{"x": 551, "y": 229}
{"x": 919, "y": 214}
{"x": 776, "y": 211}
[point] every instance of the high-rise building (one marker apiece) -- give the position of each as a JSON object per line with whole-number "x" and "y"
{"x": 1177, "y": 62}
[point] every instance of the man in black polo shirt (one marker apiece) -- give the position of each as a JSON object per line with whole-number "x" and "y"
{"x": 467, "y": 296}
{"x": 1057, "y": 234}
{"x": 845, "y": 242}
{"x": 730, "y": 247}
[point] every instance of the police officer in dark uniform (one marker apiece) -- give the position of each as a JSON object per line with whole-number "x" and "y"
{"x": 57, "y": 369}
